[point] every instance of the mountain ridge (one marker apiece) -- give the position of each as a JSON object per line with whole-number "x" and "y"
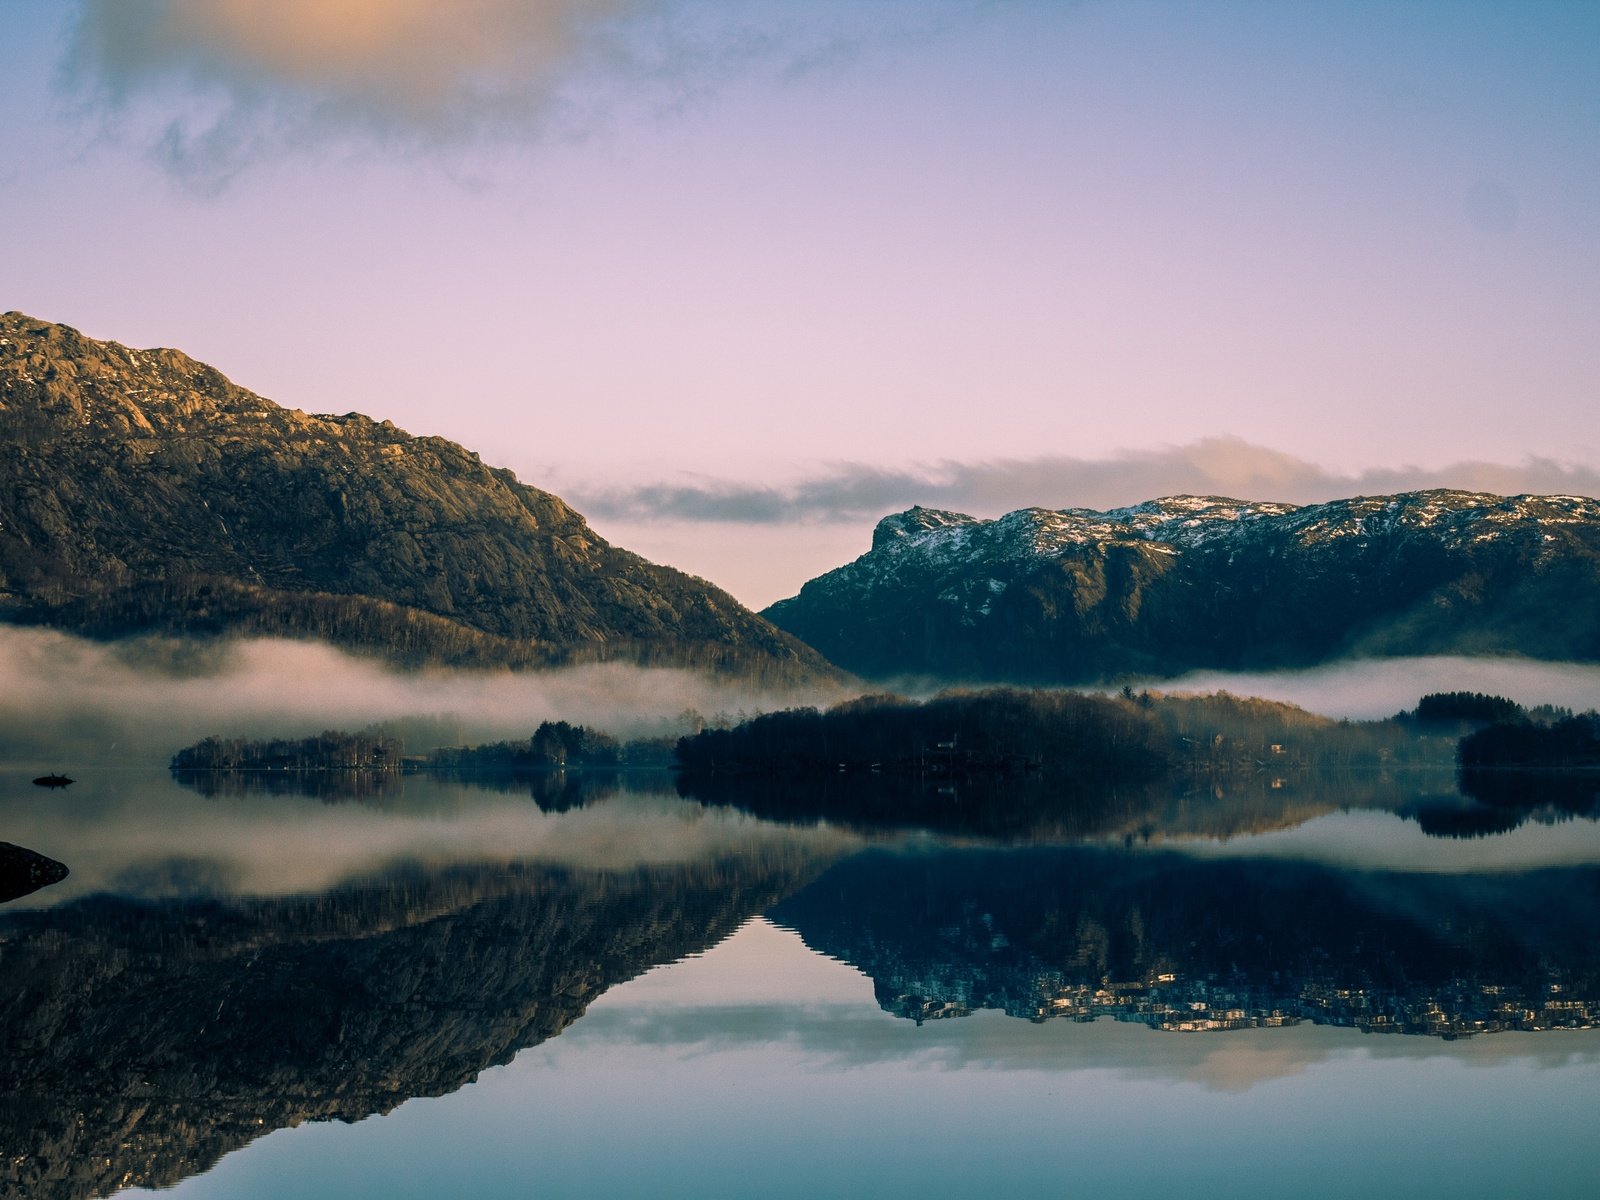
{"x": 1191, "y": 582}
{"x": 145, "y": 492}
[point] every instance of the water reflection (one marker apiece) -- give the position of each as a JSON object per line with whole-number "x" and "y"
{"x": 1183, "y": 943}
{"x": 143, "y": 1040}
{"x": 227, "y": 961}
{"x": 550, "y": 790}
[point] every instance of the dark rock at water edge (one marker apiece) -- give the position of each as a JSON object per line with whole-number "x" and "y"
{"x": 23, "y": 871}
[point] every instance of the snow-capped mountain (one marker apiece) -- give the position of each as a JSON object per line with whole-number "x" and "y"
{"x": 1202, "y": 581}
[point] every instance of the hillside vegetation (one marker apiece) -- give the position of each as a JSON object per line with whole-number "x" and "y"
{"x": 141, "y": 491}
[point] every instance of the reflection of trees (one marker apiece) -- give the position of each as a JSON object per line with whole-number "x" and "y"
{"x": 1535, "y": 795}
{"x": 550, "y": 790}
{"x": 331, "y": 786}
{"x": 1031, "y": 807}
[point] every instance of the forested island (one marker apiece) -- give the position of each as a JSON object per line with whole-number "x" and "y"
{"x": 554, "y": 745}
{"x": 1009, "y": 732}
{"x": 990, "y": 735}
{"x": 1568, "y": 743}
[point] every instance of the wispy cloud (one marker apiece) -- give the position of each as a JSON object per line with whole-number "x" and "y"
{"x": 848, "y": 492}
{"x": 213, "y": 86}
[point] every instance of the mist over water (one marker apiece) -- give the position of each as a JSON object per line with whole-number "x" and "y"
{"x": 1368, "y": 689}
{"x": 69, "y": 700}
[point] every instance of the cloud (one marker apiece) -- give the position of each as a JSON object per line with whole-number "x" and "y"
{"x": 214, "y": 86}
{"x": 1225, "y": 466}
{"x": 224, "y": 82}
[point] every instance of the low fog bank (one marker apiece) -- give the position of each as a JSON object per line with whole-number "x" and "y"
{"x": 1365, "y": 689}
{"x": 69, "y": 701}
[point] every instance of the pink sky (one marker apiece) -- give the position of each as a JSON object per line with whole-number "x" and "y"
{"x": 615, "y": 245}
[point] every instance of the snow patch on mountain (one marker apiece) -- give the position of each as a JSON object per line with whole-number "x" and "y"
{"x": 928, "y": 543}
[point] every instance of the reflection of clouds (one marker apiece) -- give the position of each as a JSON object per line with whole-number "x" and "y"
{"x": 839, "y": 1036}
{"x": 141, "y": 835}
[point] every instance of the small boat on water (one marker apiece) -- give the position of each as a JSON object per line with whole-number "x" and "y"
{"x": 52, "y": 781}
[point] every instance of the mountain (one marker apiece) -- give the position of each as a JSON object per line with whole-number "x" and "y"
{"x": 141, "y": 491}
{"x": 1188, "y": 582}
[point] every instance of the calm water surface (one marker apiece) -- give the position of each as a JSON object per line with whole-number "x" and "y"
{"x": 421, "y": 987}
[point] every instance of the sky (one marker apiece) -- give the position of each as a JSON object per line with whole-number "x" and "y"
{"x": 737, "y": 279}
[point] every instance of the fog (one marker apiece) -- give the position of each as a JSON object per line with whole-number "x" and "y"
{"x": 69, "y": 702}
{"x": 1364, "y": 689}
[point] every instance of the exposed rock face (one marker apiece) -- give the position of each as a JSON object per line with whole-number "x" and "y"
{"x": 1190, "y": 582}
{"x": 140, "y": 1041}
{"x": 141, "y": 490}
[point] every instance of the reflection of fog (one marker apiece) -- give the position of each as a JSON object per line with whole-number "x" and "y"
{"x": 1368, "y": 689}
{"x": 140, "y": 834}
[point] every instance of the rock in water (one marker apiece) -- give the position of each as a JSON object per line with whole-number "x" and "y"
{"x": 23, "y": 871}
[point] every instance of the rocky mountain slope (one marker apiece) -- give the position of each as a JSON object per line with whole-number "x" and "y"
{"x": 1191, "y": 582}
{"x": 140, "y": 490}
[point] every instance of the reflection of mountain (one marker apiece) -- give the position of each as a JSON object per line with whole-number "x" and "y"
{"x": 1574, "y": 794}
{"x": 140, "y": 1042}
{"x": 1191, "y": 944}
{"x": 1494, "y": 802}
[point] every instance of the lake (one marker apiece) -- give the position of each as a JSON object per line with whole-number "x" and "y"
{"x": 420, "y": 986}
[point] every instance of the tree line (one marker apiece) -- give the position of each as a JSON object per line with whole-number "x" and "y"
{"x": 331, "y": 749}
{"x": 1007, "y": 731}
